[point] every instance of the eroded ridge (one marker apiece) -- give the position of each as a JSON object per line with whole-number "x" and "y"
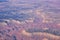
{"x": 40, "y": 33}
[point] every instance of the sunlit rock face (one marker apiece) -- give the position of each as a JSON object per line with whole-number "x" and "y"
{"x": 29, "y": 19}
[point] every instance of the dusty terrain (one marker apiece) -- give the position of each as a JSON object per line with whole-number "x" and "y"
{"x": 30, "y": 20}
